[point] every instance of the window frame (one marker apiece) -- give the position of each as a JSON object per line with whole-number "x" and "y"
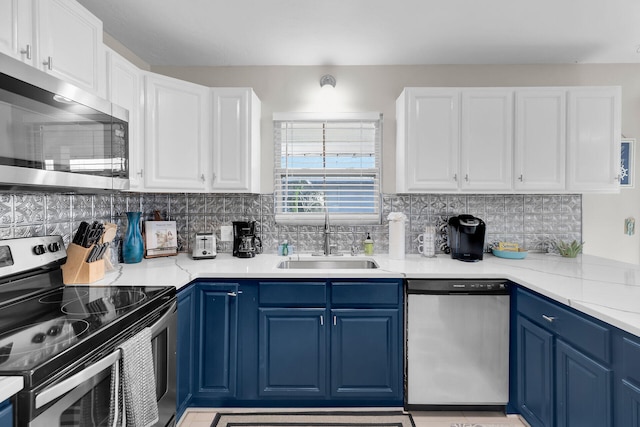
{"x": 318, "y": 218}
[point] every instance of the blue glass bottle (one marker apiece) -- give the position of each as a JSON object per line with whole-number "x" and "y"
{"x": 132, "y": 246}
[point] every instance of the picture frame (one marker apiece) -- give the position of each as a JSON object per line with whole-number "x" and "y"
{"x": 627, "y": 162}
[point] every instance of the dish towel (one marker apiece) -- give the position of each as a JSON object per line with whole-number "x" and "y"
{"x": 133, "y": 384}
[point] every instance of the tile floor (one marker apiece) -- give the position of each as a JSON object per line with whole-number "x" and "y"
{"x": 203, "y": 418}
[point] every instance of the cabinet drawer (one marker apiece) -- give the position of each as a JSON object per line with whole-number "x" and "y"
{"x": 364, "y": 293}
{"x": 294, "y": 294}
{"x": 572, "y": 327}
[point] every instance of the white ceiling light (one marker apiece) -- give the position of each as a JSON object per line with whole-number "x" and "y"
{"x": 327, "y": 79}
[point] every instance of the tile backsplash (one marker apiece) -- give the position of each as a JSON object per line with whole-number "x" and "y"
{"x": 531, "y": 220}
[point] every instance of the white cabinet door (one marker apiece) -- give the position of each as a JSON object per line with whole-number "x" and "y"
{"x": 427, "y": 156}
{"x": 124, "y": 88}
{"x": 540, "y": 139}
{"x": 69, "y": 40}
{"x": 594, "y": 139}
{"x": 486, "y": 139}
{"x": 176, "y": 134}
{"x": 236, "y": 140}
{"x": 16, "y": 29}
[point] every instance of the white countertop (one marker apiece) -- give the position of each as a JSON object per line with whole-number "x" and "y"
{"x": 608, "y": 290}
{"x": 10, "y": 386}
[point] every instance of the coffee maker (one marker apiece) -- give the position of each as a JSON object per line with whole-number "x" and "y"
{"x": 466, "y": 237}
{"x": 245, "y": 242}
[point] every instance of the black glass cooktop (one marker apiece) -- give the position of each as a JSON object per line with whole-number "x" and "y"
{"x": 44, "y": 326}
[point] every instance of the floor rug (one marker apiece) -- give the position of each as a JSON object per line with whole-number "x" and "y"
{"x": 313, "y": 419}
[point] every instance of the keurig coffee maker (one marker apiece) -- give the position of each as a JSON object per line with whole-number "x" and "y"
{"x": 466, "y": 237}
{"x": 245, "y": 242}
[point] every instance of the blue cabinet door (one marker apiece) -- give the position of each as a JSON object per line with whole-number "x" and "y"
{"x": 628, "y": 411}
{"x": 583, "y": 388}
{"x": 630, "y": 396}
{"x": 534, "y": 361}
{"x": 184, "y": 348}
{"x": 217, "y": 341}
{"x": 6, "y": 414}
{"x": 292, "y": 352}
{"x": 366, "y": 354}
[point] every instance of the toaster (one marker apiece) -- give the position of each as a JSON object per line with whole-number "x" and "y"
{"x": 204, "y": 246}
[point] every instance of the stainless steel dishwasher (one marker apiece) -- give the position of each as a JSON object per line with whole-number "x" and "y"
{"x": 457, "y": 343}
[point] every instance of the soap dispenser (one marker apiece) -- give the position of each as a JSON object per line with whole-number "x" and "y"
{"x": 368, "y": 245}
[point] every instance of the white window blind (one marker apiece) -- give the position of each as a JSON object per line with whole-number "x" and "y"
{"x": 327, "y": 163}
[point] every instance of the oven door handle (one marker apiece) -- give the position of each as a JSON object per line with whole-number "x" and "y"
{"x": 52, "y": 393}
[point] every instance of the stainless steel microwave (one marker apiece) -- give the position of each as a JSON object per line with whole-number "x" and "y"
{"x": 54, "y": 135}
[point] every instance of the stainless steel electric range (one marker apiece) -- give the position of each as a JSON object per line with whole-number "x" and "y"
{"x": 63, "y": 340}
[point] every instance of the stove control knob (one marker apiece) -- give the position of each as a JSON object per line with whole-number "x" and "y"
{"x": 54, "y": 247}
{"x": 39, "y": 249}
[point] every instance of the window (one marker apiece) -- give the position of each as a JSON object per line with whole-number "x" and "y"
{"x": 327, "y": 163}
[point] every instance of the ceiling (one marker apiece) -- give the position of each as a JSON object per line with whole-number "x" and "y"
{"x": 373, "y": 32}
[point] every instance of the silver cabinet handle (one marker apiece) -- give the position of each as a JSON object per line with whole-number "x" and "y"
{"x": 334, "y": 321}
{"x": 26, "y": 51}
{"x": 234, "y": 294}
{"x": 466, "y": 177}
{"x": 48, "y": 63}
{"x": 202, "y": 177}
{"x": 141, "y": 173}
{"x": 321, "y": 320}
{"x": 455, "y": 176}
{"x": 520, "y": 178}
{"x": 549, "y": 319}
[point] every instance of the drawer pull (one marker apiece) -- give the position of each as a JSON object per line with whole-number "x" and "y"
{"x": 549, "y": 319}
{"x": 321, "y": 320}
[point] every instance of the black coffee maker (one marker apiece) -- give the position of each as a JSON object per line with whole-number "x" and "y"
{"x": 245, "y": 242}
{"x": 466, "y": 237}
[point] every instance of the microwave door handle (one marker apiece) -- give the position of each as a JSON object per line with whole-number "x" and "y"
{"x": 75, "y": 380}
{"x": 157, "y": 327}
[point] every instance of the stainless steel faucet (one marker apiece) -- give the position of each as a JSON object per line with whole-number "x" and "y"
{"x": 327, "y": 234}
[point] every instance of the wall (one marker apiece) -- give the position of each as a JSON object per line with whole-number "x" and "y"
{"x": 375, "y": 88}
{"x": 532, "y": 220}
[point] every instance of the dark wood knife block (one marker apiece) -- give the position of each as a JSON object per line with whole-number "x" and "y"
{"x": 77, "y": 270}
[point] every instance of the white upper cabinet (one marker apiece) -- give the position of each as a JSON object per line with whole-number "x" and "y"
{"x": 124, "y": 88}
{"x": 427, "y": 153}
{"x": 540, "y": 139}
{"x": 526, "y": 139}
{"x": 486, "y": 139}
{"x": 16, "y": 29}
{"x": 451, "y": 139}
{"x": 594, "y": 139}
{"x": 176, "y": 135}
{"x": 235, "y": 154}
{"x": 59, "y": 37}
{"x": 69, "y": 43}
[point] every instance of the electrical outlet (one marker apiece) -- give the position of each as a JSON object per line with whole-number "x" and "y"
{"x": 226, "y": 233}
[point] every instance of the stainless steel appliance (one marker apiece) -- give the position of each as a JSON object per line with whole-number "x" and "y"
{"x": 64, "y": 340}
{"x": 204, "y": 246}
{"x": 245, "y": 242}
{"x": 457, "y": 344}
{"x": 466, "y": 237}
{"x": 55, "y": 135}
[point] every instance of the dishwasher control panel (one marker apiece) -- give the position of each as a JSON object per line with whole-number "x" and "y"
{"x": 458, "y": 286}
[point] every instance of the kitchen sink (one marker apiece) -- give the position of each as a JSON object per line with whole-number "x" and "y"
{"x": 345, "y": 263}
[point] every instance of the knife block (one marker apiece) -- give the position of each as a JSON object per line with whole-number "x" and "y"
{"x": 77, "y": 270}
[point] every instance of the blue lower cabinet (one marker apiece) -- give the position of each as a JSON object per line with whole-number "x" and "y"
{"x": 366, "y": 354}
{"x": 564, "y": 378}
{"x": 185, "y": 347}
{"x": 534, "y": 360}
{"x": 628, "y": 410}
{"x": 583, "y": 389}
{"x": 293, "y": 349}
{"x": 6, "y": 414}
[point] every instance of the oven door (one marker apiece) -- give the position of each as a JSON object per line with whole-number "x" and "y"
{"x": 83, "y": 399}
